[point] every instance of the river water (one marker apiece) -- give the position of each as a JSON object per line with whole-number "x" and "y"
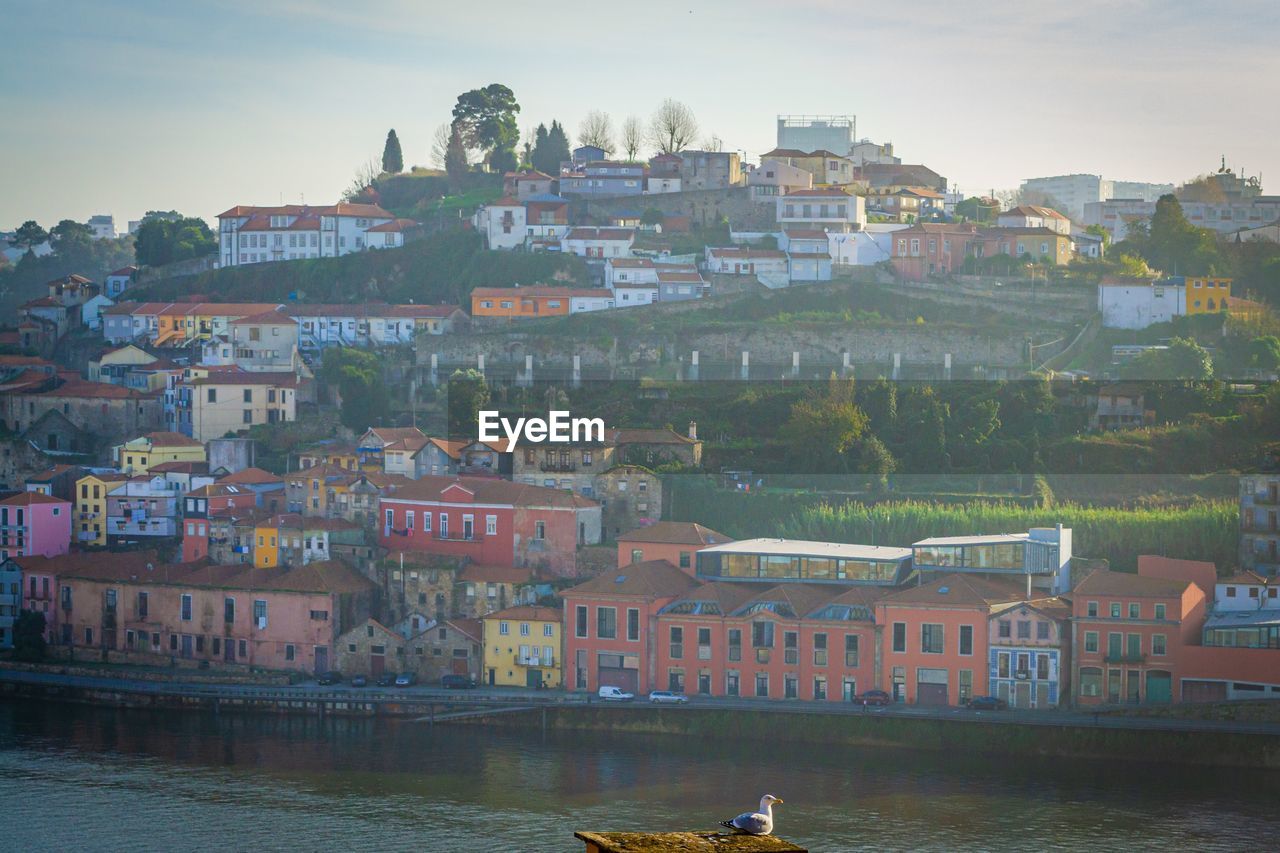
{"x": 80, "y": 778}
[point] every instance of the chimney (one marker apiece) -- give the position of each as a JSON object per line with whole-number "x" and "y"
{"x": 693, "y": 430}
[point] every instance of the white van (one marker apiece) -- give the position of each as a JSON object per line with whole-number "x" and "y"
{"x": 615, "y": 694}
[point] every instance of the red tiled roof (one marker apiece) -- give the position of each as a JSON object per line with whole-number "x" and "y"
{"x": 272, "y": 316}
{"x": 675, "y": 533}
{"x": 1104, "y": 582}
{"x": 650, "y": 579}
{"x": 530, "y": 612}
{"x": 251, "y": 477}
{"x": 28, "y": 498}
{"x": 489, "y": 491}
{"x": 171, "y": 439}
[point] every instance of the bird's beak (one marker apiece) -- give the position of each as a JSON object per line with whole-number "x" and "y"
{"x": 777, "y": 802}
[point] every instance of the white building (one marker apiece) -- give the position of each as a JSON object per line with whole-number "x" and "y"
{"x": 871, "y": 245}
{"x": 658, "y": 185}
{"x": 866, "y": 151}
{"x": 582, "y": 300}
{"x": 745, "y": 260}
{"x": 629, "y": 271}
{"x": 629, "y": 295}
{"x": 1071, "y": 192}
{"x": 1225, "y": 218}
{"x": 808, "y": 254}
{"x": 599, "y": 242}
{"x": 824, "y": 208}
{"x": 248, "y": 234}
{"x": 119, "y": 281}
{"x": 103, "y": 226}
{"x": 814, "y": 132}
{"x": 1136, "y": 305}
{"x": 1032, "y": 216}
{"x": 502, "y": 223}
{"x": 774, "y": 178}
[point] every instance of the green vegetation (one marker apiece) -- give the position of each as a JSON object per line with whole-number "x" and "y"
{"x": 28, "y": 637}
{"x": 167, "y": 237}
{"x": 550, "y": 148}
{"x": 392, "y": 158}
{"x": 441, "y": 268}
{"x": 73, "y": 252}
{"x": 1201, "y": 530}
{"x": 486, "y": 119}
{"x": 357, "y": 377}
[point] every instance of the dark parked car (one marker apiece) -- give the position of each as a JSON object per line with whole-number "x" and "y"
{"x": 406, "y": 679}
{"x": 986, "y": 703}
{"x": 458, "y": 682}
{"x": 386, "y": 679}
{"x": 359, "y": 681}
{"x": 330, "y": 677}
{"x": 875, "y": 697}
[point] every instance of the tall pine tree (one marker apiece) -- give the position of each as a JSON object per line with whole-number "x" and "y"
{"x": 392, "y": 159}
{"x": 455, "y": 159}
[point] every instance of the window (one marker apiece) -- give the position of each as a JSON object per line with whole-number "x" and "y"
{"x": 186, "y": 608}
{"x": 633, "y": 624}
{"x": 607, "y": 623}
{"x": 580, "y": 621}
{"x": 504, "y": 628}
{"x": 1134, "y": 610}
{"x": 686, "y": 559}
{"x": 820, "y": 687}
{"x": 1090, "y": 681}
{"x": 288, "y": 651}
{"x": 1090, "y": 641}
{"x": 490, "y": 525}
{"x": 851, "y": 650}
{"x": 260, "y": 612}
{"x": 524, "y": 629}
{"x": 966, "y": 684}
{"x": 820, "y": 654}
{"x": 142, "y": 603}
{"x": 899, "y": 636}
{"x": 1093, "y": 608}
{"x": 637, "y": 555}
{"x": 966, "y": 639}
{"x": 931, "y": 639}
{"x": 1024, "y": 629}
{"x": 735, "y": 644}
{"x": 1157, "y": 644}
{"x": 1042, "y": 630}
{"x": 1160, "y": 607}
{"x": 228, "y": 609}
{"x": 790, "y": 647}
{"x": 539, "y": 530}
{"x": 762, "y": 684}
{"x": 677, "y": 642}
{"x": 1004, "y": 629}
{"x": 1115, "y": 610}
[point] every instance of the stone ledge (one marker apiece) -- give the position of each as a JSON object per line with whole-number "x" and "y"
{"x": 684, "y": 842}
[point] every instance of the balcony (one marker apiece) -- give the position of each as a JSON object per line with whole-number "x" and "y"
{"x": 558, "y": 467}
{"x": 1125, "y": 658}
{"x": 535, "y": 660}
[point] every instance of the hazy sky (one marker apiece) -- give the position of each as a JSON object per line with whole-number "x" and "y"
{"x": 128, "y": 106}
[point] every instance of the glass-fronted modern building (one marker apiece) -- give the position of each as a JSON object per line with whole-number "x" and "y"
{"x": 1042, "y": 552}
{"x": 804, "y": 561}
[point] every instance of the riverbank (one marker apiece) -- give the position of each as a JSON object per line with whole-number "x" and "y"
{"x": 1227, "y": 743}
{"x": 987, "y": 737}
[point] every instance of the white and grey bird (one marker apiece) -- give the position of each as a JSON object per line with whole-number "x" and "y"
{"x": 755, "y": 823}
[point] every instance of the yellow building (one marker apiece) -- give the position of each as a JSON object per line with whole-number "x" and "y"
{"x": 89, "y": 524}
{"x": 137, "y": 456}
{"x": 1207, "y": 295}
{"x": 522, "y": 647}
{"x": 266, "y": 549}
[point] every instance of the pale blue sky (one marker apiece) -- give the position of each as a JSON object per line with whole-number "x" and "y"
{"x": 123, "y": 107}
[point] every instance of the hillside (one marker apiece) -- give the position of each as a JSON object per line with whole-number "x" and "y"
{"x": 441, "y": 268}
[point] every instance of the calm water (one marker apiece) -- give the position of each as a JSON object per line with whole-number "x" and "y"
{"x": 97, "y": 779}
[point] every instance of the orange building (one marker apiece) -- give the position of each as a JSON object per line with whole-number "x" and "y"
{"x": 524, "y": 303}
{"x": 673, "y": 541}
{"x": 1130, "y": 632}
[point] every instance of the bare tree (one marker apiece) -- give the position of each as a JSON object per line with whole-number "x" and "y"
{"x": 597, "y": 130}
{"x": 632, "y": 136}
{"x": 673, "y": 127}
{"x": 440, "y": 145}
{"x": 366, "y": 173}
{"x": 713, "y": 143}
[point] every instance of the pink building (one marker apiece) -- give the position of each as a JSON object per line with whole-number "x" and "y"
{"x": 674, "y": 541}
{"x": 131, "y": 604}
{"x": 32, "y": 523}
{"x": 611, "y": 625}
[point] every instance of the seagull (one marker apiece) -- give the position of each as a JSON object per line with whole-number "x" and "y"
{"x": 755, "y": 823}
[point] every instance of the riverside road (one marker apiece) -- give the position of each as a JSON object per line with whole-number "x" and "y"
{"x": 511, "y": 698}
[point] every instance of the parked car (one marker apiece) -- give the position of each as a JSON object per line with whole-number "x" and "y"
{"x": 386, "y": 679}
{"x": 458, "y": 682}
{"x": 615, "y": 694}
{"x": 875, "y": 697}
{"x": 659, "y": 697}
{"x": 406, "y": 679}
{"x": 359, "y": 681}
{"x": 331, "y": 677}
{"x": 986, "y": 703}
